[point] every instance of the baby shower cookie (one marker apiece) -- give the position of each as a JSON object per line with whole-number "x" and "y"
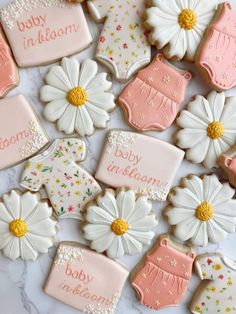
{"x": 143, "y": 163}
{"x": 81, "y": 278}
{"x": 162, "y": 277}
{"x": 216, "y": 294}
{"x": 178, "y": 26}
{"x": 227, "y": 162}
{"x": 77, "y": 97}
{"x": 119, "y": 223}
{"x": 9, "y": 76}
{"x": 152, "y": 100}
{"x": 202, "y": 210}
{"x": 21, "y": 134}
{"x": 41, "y": 32}
{"x": 27, "y": 228}
{"x": 123, "y": 46}
{"x": 69, "y": 187}
{"x": 216, "y": 55}
{"x": 208, "y": 128}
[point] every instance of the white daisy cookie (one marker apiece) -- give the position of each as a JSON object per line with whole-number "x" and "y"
{"x": 208, "y": 128}
{"x": 119, "y": 223}
{"x": 26, "y": 226}
{"x": 179, "y": 25}
{"x": 202, "y": 210}
{"x": 77, "y": 97}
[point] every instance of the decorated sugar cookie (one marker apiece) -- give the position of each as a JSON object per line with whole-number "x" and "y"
{"x": 77, "y": 96}
{"x": 178, "y": 26}
{"x": 69, "y": 186}
{"x": 216, "y": 56}
{"x": 42, "y": 32}
{"x": 227, "y": 162}
{"x": 119, "y": 223}
{"x": 123, "y": 46}
{"x": 217, "y": 291}
{"x": 151, "y": 101}
{"x": 81, "y": 278}
{"x": 21, "y": 132}
{"x": 162, "y": 277}
{"x": 27, "y": 228}
{"x": 202, "y": 210}
{"x": 208, "y": 128}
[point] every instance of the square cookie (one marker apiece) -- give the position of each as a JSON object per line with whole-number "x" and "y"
{"x": 143, "y": 163}
{"x": 41, "y": 32}
{"x": 85, "y": 280}
{"x": 21, "y": 134}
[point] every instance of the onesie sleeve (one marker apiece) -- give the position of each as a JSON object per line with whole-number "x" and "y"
{"x": 99, "y": 8}
{"x": 210, "y": 266}
{"x": 71, "y": 149}
{"x": 32, "y": 177}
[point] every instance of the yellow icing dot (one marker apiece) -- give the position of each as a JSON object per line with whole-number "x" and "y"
{"x": 215, "y": 130}
{"x": 187, "y": 19}
{"x": 227, "y": 309}
{"x": 217, "y": 267}
{"x": 119, "y": 226}
{"x": 77, "y": 96}
{"x": 18, "y": 228}
{"x": 204, "y": 211}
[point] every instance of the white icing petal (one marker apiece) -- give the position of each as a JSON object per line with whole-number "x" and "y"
{"x": 183, "y": 197}
{"x": 195, "y": 185}
{"x": 71, "y": 68}
{"x": 215, "y": 232}
{"x": 102, "y": 244}
{"x": 189, "y": 120}
{"x": 125, "y": 201}
{"x": 94, "y": 232}
{"x": 144, "y": 237}
{"x": 190, "y": 137}
{"x": 41, "y": 212}
{"x": 200, "y": 237}
{"x": 145, "y": 224}
{"x": 98, "y": 84}
{"x": 104, "y": 101}
{"x": 39, "y": 243}
{"x": 12, "y": 203}
{"x": 97, "y": 115}
{"x": 108, "y": 203}
{"x": 211, "y": 188}
{"x": 226, "y": 208}
{"x": 187, "y": 228}
{"x": 67, "y": 121}
{"x": 201, "y": 109}
{"x": 5, "y": 239}
{"x": 228, "y": 224}
{"x": 57, "y": 78}
{"x": 28, "y": 253}
{"x": 116, "y": 249}
{"x": 83, "y": 123}
{"x": 131, "y": 245}
{"x": 29, "y": 202}
{"x": 4, "y": 227}
{"x": 142, "y": 208}
{"x": 88, "y": 71}
{"x": 176, "y": 215}
{"x": 50, "y": 93}
{"x": 44, "y": 228}
{"x": 98, "y": 215}
{"x": 5, "y": 215}
{"x": 12, "y": 249}
{"x": 198, "y": 153}
{"x": 216, "y": 103}
{"x": 229, "y": 111}
{"x": 55, "y": 109}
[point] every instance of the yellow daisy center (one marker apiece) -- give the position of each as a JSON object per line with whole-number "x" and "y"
{"x": 215, "y": 130}
{"x": 187, "y": 19}
{"x": 77, "y": 96}
{"x": 119, "y": 226}
{"x": 18, "y": 228}
{"x": 204, "y": 211}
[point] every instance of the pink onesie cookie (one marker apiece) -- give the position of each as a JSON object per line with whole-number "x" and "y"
{"x": 152, "y": 100}
{"x": 163, "y": 276}
{"x": 123, "y": 45}
{"x": 216, "y": 56}
{"x": 41, "y": 32}
{"x": 227, "y": 162}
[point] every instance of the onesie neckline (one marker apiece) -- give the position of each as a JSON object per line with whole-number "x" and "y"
{"x": 229, "y": 263}
{"x": 46, "y": 153}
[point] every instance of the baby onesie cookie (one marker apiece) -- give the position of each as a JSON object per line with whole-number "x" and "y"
{"x": 119, "y": 223}
{"x": 152, "y": 100}
{"x": 178, "y": 25}
{"x": 216, "y": 55}
{"x": 77, "y": 97}
{"x": 208, "y": 128}
{"x": 42, "y": 32}
{"x": 143, "y": 163}
{"x": 227, "y": 162}
{"x": 162, "y": 277}
{"x": 69, "y": 187}
{"x": 216, "y": 294}
{"x": 9, "y": 76}
{"x": 21, "y": 134}
{"x": 81, "y": 278}
{"x": 202, "y": 210}
{"x": 123, "y": 46}
{"x": 27, "y": 228}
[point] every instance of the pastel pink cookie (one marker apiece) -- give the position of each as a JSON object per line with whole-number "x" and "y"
{"x": 42, "y": 32}
{"x": 152, "y": 100}
{"x": 227, "y": 162}
{"x": 161, "y": 280}
{"x": 9, "y": 77}
{"x": 216, "y": 56}
{"x": 143, "y": 163}
{"x": 21, "y": 134}
{"x": 85, "y": 280}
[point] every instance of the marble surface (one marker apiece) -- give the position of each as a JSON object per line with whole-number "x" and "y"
{"x": 20, "y": 282}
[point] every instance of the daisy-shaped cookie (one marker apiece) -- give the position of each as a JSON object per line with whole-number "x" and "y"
{"x": 209, "y": 128}
{"x": 78, "y": 97}
{"x": 119, "y": 223}
{"x": 26, "y": 227}
{"x": 179, "y": 25}
{"x": 202, "y": 210}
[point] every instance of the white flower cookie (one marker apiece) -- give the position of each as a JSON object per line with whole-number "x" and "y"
{"x": 26, "y": 226}
{"x": 202, "y": 210}
{"x": 119, "y": 223}
{"x": 209, "y": 128}
{"x": 179, "y": 25}
{"x": 78, "y": 97}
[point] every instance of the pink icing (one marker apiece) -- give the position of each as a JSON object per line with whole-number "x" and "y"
{"x": 228, "y": 164}
{"x": 152, "y": 100}
{"x": 217, "y": 53}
